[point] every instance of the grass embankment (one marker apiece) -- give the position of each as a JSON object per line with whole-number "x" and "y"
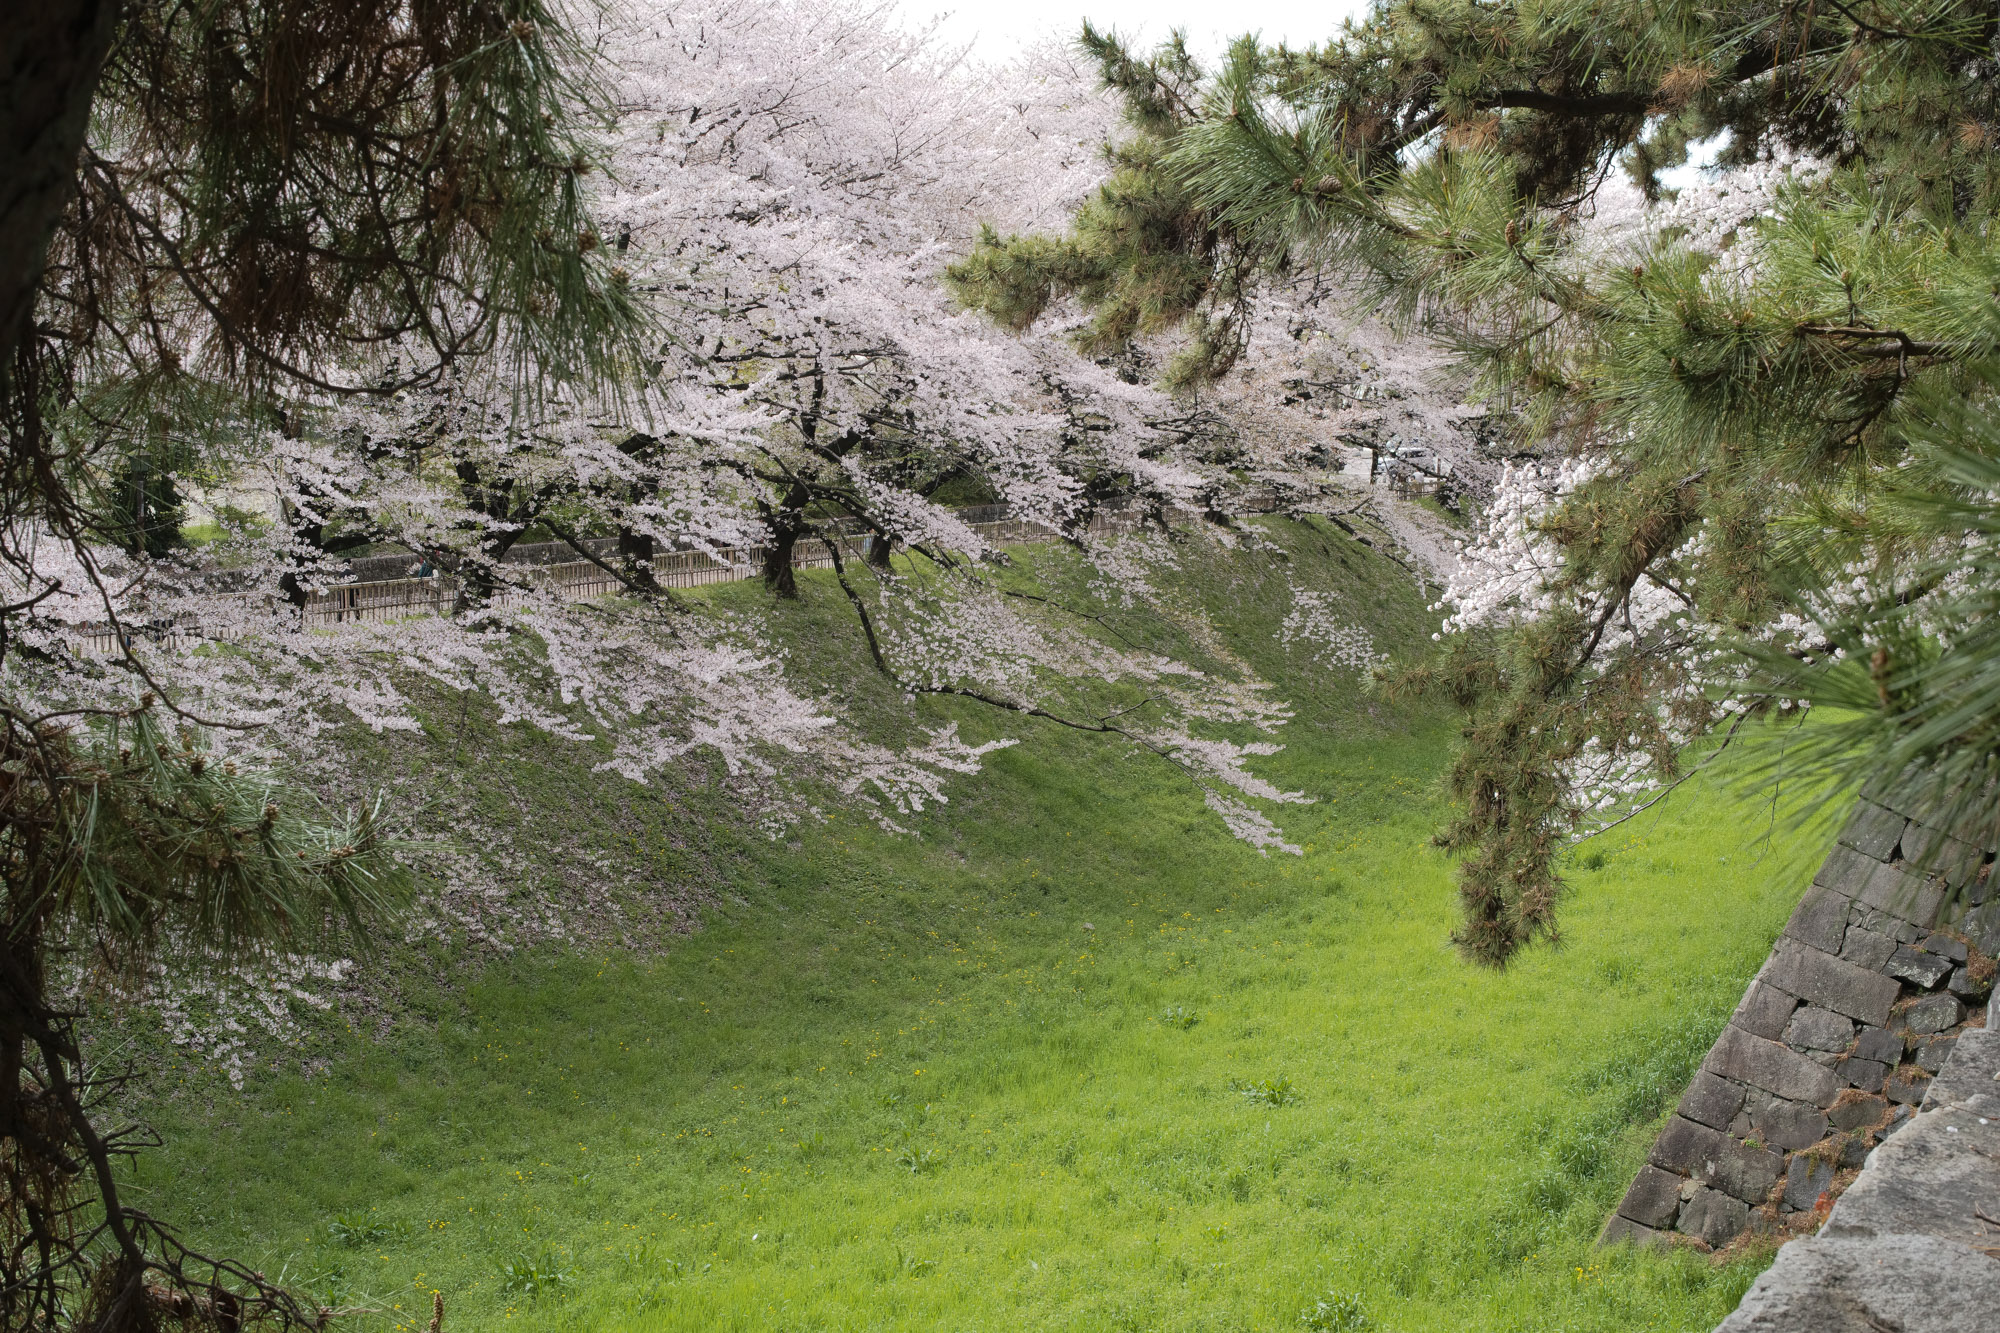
{"x": 1073, "y": 1059}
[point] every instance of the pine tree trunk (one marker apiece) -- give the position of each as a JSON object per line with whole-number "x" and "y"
{"x": 21, "y": 1168}
{"x": 51, "y": 55}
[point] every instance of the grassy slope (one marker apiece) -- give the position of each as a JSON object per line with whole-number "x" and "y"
{"x": 901, "y": 1084}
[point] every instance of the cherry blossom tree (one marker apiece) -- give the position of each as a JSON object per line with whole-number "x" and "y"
{"x": 781, "y": 187}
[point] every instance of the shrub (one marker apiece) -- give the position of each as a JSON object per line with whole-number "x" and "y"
{"x": 1335, "y": 1312}
{"x": 532, "y": 1278}
{"x": 359, "y": 1229}
{"x": 1267, "y": 1092}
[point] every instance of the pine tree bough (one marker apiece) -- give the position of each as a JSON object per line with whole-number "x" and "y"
{"x": 1761, "y": 413}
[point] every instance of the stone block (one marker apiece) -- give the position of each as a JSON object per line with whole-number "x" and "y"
{"x": 1857, "y": 1114}
{"x": 1984, "y": 885}
{"x": 1820, "y": 918}
{"x": 1932, "y": 1054}
{"x": 1936, "y": 1175}
{"x": 1624, "y": 1231}
{"x": 1873, "y": 831}
{"x": 1911, "y": 1283}
{"x": 1711, "y": 1157}
{"x": 1776, "y": 1069}
{"x": 1978, "y": 828}
{"x": 1887, "y": 923}
{"x": 1765, "y": 1009}
{"x": 1906, "y": 1084}
{"x": 1806, "y": 1178}
{"x": 1846, "y": 871}
{"x": 1945, "y": 945}
{"x": 1853, "y": 1150}
{"x": 1820, "y": 978}
{"x": 1748, "y": 1173}
{"x": 1866, "y": 1075}
{"x": 1982, "y": 927}
{"x": 1654, "y": 1199}
{"x": 1916, "y": 966}
{"x": 1878, "y": 1044}
{"x": 1689, "y": 1149}
{"x": 1933, "y": 853}
{"x": 1714, "y": 1218}
{"x": 1815, "y": 1029}
{"x": 1970, "y": 1081}
{"x": 1867, "y": 948}
{"x": 1899, "y": 892}
{"x": 1967, "y": 986}
{"x": 1710, "y": 1100}
{"x": 1786, "y": 1125}
{"x": 1935, "y": 1013}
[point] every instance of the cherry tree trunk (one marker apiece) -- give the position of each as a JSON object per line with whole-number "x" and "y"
{"x": 637, "y": 547}
{"x": 788, "y": 524}
{"x": 778, "y": 574}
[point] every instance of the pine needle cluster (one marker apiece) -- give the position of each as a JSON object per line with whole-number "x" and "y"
{"x": 123, "y": 840}
{"x": 1143, "y": 254}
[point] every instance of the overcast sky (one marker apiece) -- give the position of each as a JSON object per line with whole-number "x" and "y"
{"x": 998, "y": 28}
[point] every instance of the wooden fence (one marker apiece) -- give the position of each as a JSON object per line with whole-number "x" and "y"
{"x": 577, "y": 580}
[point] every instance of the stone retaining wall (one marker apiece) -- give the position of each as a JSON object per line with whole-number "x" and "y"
{"x": 1888, "y": 958}
{"x": 1914, "y": 1244}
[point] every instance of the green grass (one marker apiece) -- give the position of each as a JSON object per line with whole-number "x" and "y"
{"x": 1071, "y": 1059}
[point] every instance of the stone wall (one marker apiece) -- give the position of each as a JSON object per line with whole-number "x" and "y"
{"x": 1888, "y": 958}
{"x": 1914, "y": 1243}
